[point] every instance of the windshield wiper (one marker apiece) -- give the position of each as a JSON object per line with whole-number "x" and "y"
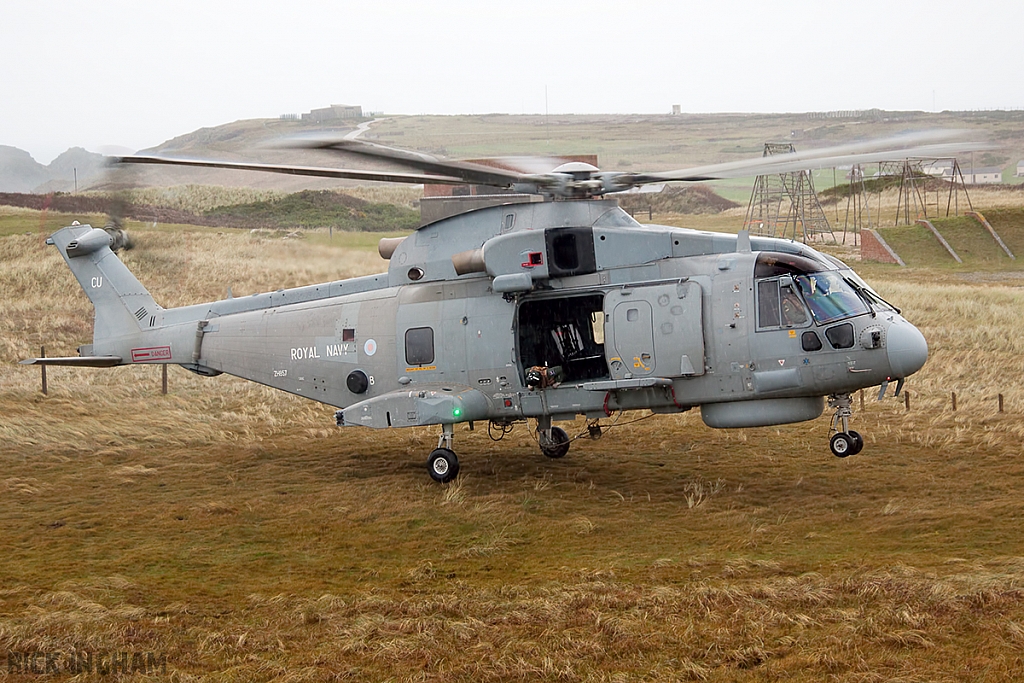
{"x": 864, "y": 295}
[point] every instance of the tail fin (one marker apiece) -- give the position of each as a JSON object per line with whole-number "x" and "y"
{"x": 123, "y": 306}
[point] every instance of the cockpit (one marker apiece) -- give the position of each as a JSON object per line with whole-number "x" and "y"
{"x": 794, "y": 290}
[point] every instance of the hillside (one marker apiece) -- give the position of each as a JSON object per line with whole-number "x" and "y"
{"x": 918, "y": 247}
{"x": 305, "y": 209}
{"x": 19, "y": 172}
{"x": 622, "y": 142}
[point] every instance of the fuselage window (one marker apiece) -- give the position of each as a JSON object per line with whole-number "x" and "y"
{"x": 419, "y": 346}
{"x": 768, "y": 304}
{"x": 778, "y": 305}
{"x": 793, "y": 312}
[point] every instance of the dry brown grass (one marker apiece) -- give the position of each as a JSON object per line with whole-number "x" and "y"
{"x": 236, "y": 530}
{"x": 195, "y": 198}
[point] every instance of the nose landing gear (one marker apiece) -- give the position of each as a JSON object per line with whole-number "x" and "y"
{"x": 443, "y": 465}
{"x": 844, "y": 441}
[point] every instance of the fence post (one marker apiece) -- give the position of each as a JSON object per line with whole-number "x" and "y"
{"x": 1000, "y": 403}
{"x": 42, "y": 368}
{"x": 953, "y": 394}
{"x": 906, "y": 400}
{"x": 862, "y": 399}
{"x": 163, "y": 378}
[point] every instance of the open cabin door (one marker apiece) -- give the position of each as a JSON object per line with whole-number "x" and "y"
{"x": 564, "y": 334}
{"x": 655, "y": 330}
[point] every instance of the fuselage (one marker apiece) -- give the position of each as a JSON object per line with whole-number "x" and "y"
{"x": 565, "y": 309}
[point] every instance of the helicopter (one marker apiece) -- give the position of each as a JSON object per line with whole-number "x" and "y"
{"x": 543, "y": 311}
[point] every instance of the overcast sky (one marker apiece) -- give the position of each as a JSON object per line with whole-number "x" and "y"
{"x": 132, "y": 74}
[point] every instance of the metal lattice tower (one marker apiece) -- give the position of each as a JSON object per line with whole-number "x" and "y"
{"x": 858, "y": 209}
{"x": 912, "y": 202}
{"x": 785, "y": 204}
{"x": 918, "y": 196}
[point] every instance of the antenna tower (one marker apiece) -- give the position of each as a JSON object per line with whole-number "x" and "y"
{"x": 912, "y": 202}
{"x": 785, "y": 204}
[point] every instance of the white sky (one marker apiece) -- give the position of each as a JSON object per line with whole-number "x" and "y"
{"x": 133, "y": 74}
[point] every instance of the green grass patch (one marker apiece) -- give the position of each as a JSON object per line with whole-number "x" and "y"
{"x": 316, "y": 209}
{"x": 1009, "y": 225}
{"x": 971, "y": 241}
{"x": 917, "y": 246}
{"x": 43, "y": 222}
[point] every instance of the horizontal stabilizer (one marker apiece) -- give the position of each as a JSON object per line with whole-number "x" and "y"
{"x": 76, "y": 361}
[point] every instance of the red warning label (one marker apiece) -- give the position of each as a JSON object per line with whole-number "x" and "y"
{"x": 153, "y": 353}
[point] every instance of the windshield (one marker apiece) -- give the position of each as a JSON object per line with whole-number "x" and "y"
{"x": 830, "y": 297}
{"x": 872, "y": 295}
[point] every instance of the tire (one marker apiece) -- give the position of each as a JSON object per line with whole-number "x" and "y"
{"x": 442, "y": 465}
{"x": 858, "y": 442}
{"x": 555, "y": 446}
{"x": 842, "y": 445}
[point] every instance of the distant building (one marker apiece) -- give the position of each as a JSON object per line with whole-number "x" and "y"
{"x": 943, "y": 168}
{"x": 940, "y": 168}
{"x": 1020, "y": 169}
{"x": 334, "y": 113}
{"x": 676, "y": 109}
{"x": 845, "y": 114}
{"x": 991, "y": 175}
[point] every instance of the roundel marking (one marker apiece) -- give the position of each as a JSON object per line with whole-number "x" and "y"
{"x": 370, "y": 347}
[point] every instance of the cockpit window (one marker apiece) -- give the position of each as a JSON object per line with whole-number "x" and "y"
{"x": 830, "y": 297}
{"x": 774, "y": 264}
{"x": 779, "y": 306}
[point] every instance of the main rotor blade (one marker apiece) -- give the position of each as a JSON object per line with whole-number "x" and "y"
{"x": 889, "y": 149}
{"x": 314, "y": 171}
{"x": 477, "y": 174}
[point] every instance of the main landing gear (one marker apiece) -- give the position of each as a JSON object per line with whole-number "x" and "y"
{"x": 845, "y": 441}
{"x": 443, "y": 464}
{"x": 554, "y": 442}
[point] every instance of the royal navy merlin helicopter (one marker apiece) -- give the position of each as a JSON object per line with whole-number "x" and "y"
{"x": 539, "y": 311}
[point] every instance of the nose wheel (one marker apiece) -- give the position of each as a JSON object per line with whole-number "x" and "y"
{"x": 844, "y": 441}
{"x": 443, "y": 464}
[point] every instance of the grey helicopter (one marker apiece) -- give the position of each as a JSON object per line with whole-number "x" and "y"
{"x": 544, "y": 311}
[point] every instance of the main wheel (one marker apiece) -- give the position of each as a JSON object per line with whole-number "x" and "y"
{"x": 842, "y": 445}
{"x": 556, "y": 445}
{"x": 442, "y": 465}
{"x": 858, "y": 442}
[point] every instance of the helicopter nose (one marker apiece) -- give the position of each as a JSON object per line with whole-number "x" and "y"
{"x": 907, "y": 349}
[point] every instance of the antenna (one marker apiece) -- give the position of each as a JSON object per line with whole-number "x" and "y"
{"x": 785, "y": 204}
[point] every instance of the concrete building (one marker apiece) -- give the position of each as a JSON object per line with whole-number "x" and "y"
{"x": 940, "y": 168}
{"x": 991, "y": 175}
{"x": 943, "y": 168}
{"x": 334, "y": 112}
{"x": 1020, "y": 169}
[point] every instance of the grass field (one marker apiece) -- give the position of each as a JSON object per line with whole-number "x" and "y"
{"x": 236, "y": 531}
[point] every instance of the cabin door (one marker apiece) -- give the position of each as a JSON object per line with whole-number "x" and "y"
{"x": 655, "y": 330}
